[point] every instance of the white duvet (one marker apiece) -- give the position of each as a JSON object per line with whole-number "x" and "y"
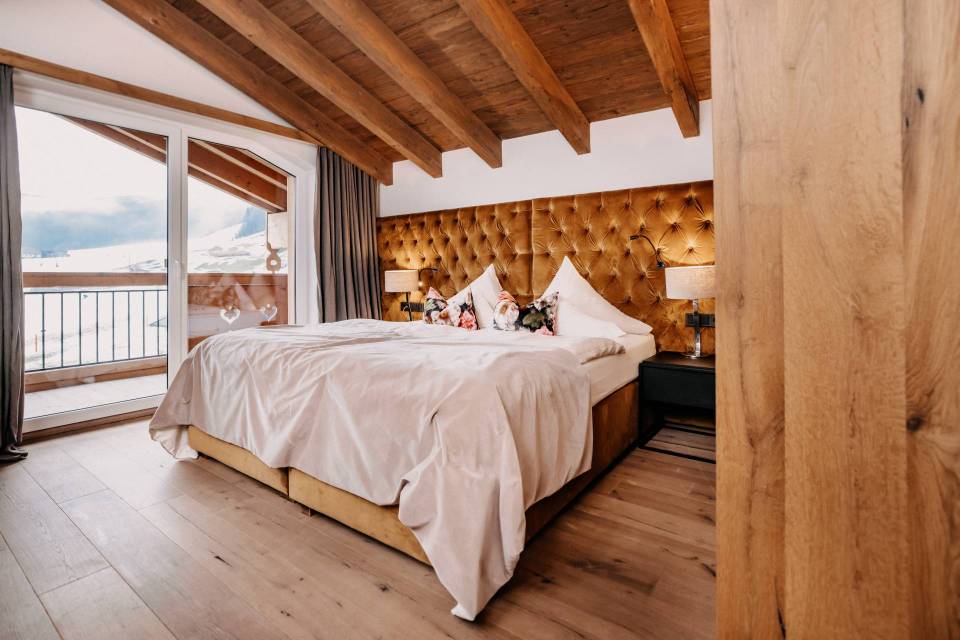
{"x": 464, "y": 430}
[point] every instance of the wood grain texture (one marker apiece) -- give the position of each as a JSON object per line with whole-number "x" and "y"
{"x": 592, "y": 46}
{"x": 845, "y": 441}
{"x": 48, "y": 546}
{"x": 256, "y": 23}
{"x": 102, "y": 605}
{"x": 749, "y": 337}
{"x": 238, "y": 458}
{"x": 660, "y": 37}
{"x": 931, "y": 222}
{"x": 362, "y": 27}
{"x": 496, "y": 21}
{"x": 22, "y": 613}
{"x": 75, "y": 76}
{"x": 176, "y": 29}
{"x": 633, "y": 558}
{"x": 189, "y": 600}
{"x": 59, "y": 474}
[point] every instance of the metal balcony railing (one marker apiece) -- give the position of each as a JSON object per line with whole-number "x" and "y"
{"x": 72, "y": 326}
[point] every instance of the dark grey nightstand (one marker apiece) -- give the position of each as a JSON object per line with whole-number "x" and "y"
{"x": 674, "y": 388}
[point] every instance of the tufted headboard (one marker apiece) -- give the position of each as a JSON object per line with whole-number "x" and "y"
{"x": 527, "y": 240}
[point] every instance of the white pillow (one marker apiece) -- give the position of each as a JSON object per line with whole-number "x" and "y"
{"x": 485, "y": 289}
{"x": 575, "y": 291}
{"x": 571, "y": 321}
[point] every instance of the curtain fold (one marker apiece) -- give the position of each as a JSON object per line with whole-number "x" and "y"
{"x": 11, "y": 275}
{"x": 345, "y": 227}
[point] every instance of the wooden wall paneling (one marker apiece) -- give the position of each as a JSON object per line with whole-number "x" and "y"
{"x": 931, "y": 223}
{"x": 871, "y": 443}
{"x": 168, "y": 24}
{"x": 749, "y": 335}
{"x": 843, "y": 294}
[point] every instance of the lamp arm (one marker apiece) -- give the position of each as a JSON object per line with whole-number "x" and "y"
{"x": 656, "y": 253}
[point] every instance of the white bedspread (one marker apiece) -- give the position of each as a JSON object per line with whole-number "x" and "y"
{"x": 464, "y": 430}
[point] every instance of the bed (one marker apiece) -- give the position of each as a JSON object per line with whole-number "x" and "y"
{"x": 462, "y": 499}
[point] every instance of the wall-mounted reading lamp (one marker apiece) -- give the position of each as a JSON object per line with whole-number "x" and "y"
{"x": 656, "y": 252}
{"x": 691, "y": 283}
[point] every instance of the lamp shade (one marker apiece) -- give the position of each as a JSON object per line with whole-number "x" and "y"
{"x": 691, "y": 283}
{"x": 401, "y": 281}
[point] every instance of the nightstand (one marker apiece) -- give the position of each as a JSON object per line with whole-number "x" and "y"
{"x": 675, "y": 389}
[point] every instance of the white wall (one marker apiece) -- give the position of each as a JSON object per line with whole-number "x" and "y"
{"x": 639, "y": 150}
{"x": 91, "y": 36}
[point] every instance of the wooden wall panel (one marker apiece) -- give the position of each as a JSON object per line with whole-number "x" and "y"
{"x": 843, "y": 293}
{"x": 847, "y": 112}
{"x": 931, "y": 223}
{"x": 749, "y": 321}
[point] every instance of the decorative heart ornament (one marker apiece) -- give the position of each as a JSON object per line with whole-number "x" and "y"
{"x": 229, "y": 314}
{"x": 269, "y": 311}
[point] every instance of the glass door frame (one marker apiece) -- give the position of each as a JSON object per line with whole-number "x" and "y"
{"x": 296, "y": 158}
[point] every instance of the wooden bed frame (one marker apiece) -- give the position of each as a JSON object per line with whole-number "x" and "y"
{"x": 615, "y": 421}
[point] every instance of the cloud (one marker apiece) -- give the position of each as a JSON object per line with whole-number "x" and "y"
{"x": 133, "y": 219}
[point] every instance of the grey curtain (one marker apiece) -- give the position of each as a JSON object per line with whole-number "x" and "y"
{"x": 345, "y": 227}
{"x": 11, "y": 276}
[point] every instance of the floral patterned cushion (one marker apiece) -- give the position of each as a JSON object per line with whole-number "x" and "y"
{"x": 437, "y": 310}
{"x": 540, "y": 316}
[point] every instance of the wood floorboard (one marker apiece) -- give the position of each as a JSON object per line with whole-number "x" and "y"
{"x": 102, "y": 607}
{"x": 189, "y": 600}
{"x": 59, "y": 474}
{"x": 22, "y": 616}
{"x": 47, "y": 545}
{"x": 694, "y": 443}
{"x": 196, "y": 550}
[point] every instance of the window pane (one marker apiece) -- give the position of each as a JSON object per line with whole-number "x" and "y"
{"x": 94, "y": 200}
{"x": 238, "y": 233}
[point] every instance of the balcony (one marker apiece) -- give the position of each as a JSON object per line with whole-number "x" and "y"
{"x": 100, "y": 338}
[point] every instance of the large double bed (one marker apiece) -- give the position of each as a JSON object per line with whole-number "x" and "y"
{"x": 456, "y": 446}
{"x": 452, "y": 446}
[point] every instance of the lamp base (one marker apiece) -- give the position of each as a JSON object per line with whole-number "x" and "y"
{"x": 695, "y": 356}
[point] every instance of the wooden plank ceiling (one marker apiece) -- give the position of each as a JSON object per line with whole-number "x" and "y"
{"x": 593, "y": 47}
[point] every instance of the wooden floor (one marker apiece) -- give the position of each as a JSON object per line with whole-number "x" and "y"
{"x": 105, "y": 536}
{"x": 685, "y": 441}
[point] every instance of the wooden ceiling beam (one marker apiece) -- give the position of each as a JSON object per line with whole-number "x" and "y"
{"x": 172, "y": 26}
{"x": 378, "y": 42}
{"x": 270, "y": 34}
{"x": 660, "y": 37}
{"x": 101, "y": 83}
{"x": 254, "y": 189}
{"x": 498, "y": 24}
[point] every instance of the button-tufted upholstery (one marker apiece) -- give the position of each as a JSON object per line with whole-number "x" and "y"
{"x": 460, "y": 243}
{"x": 528, "y": 240}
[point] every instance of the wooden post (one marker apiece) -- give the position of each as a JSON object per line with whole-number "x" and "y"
{"x": 838, "y": 217}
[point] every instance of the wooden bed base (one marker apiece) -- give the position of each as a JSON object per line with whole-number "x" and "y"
{"x": 615, "y": 421}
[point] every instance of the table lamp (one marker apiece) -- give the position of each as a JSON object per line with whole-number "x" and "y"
{"x": 693, "y": 283}
{"x": 403, "y": 281}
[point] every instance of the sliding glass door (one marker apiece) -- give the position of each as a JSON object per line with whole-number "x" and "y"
{"x": 238, "y": 234}
{"x": 95, "y": 221}
{"x": 140, "y": 241}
